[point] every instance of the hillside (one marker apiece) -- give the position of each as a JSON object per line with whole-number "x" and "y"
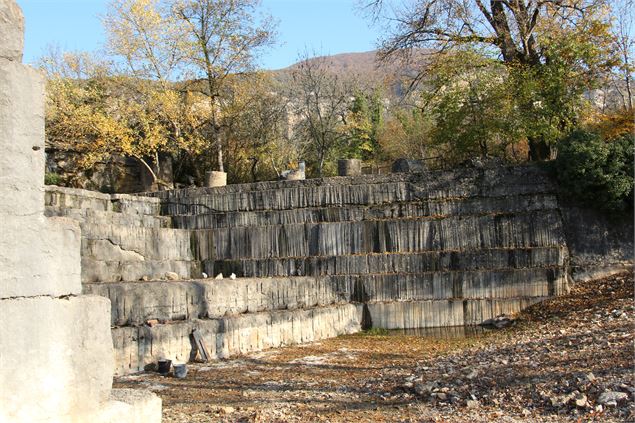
{"x": 365, "y": 67}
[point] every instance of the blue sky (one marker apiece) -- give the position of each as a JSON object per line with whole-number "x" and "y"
{"x": 324, "y": 26}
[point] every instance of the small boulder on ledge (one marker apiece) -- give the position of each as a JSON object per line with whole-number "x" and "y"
{"x": 171, "y": 276}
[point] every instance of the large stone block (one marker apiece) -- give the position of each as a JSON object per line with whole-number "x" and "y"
{"x": 56, "y": 357}
{"x": 128, "y": 406}
{"x": 39, "y": 256}
{"x": 21, "y": 139}
{"x": 11, "y": 31}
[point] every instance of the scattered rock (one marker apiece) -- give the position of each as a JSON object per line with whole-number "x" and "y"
{"x": 425, "y": 389}
{"x": 498, "y": 322}
{"x": 204, "y": 275}
{"x": 232, "y": 276}
{"x": 611, "y": 398}
{"x": 472, "y": 374}
{"x": 152, "y": 322}
{"x": 171, "y": 276}
{"x": 472, "y": 403}
{"x": 219, "y": 276}
{"x": 441, "y": 396}
{"x": 581, "y": 400}
{"x": 145, "y": 278}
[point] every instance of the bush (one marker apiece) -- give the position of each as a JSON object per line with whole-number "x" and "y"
{"x": 52, "y": 179}
{"x": 596, "y": 172}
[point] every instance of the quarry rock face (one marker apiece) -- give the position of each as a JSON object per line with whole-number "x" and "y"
{"x": 316, "y": 258}
{"x": 322, "y": 257}
{"x": 56, "y": 351}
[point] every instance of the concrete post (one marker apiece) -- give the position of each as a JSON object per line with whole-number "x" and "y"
{"x": 349, "y": 167}
{"x": 215, "y": 179}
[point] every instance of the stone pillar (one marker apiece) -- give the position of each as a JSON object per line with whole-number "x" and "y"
{"x": 215, "y": 179}
{"x": 349, "y": 167}
{"x": 56, "y": 354}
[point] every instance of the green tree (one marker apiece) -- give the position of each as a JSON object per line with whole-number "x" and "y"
{"x": 363, "y": 122}
{"x": 596, "y": 171}
{"x": 555, "y": 49}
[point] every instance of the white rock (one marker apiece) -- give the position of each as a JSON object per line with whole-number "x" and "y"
{"x": 219, "y": 276}
{"x": 472, "y": 404}
{"x": 204, "y": 275}
{"x": 232, "y": 276}
{"x": 171, "y": 276}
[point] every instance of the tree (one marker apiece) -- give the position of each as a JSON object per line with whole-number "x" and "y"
{"x": 147, "y": 38}
{"x": 597, "y": 172}
{"x": 223, "y": 38}
{"x": 555, "y": 46}
{"x": 625, "y": 43}
{"x": 322, "y": 103}
{"x": 363, "y": 120}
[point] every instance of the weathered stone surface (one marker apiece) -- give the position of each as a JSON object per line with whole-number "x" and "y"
{"x": 407, "y": 250}
{"x": 436, "y": 313}
{"x": 129, "y": 406}
{"x": 11, "y": 31}
{"x": 432, "y": 208}
{"x": 365, "y": 190}
{"x": 349, "y": 167}
{"x": 383, "y": 236}
{"x": 136, "y": 347}
{"x": 73, "y": 198}
{"x": 21, "y": 140}
{"x": 117, "y": 271}
{"x": 390, "y": 263}
{"x": 56, "y": 353}
{"x": 39, "y": 256}
{"x": 134, "y": 303}
{"x": 600, "y": 245}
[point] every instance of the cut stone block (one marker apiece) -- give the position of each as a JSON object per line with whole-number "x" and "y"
{"x": 56, "y": 358}
{"x": 129, "y": 406}
{"x": 21, "y": 138}
{"x": 39, "y": 256}
{"x": 11, "y": 31}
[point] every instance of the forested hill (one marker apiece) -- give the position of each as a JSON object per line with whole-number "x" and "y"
{"x": 365, "y": 67}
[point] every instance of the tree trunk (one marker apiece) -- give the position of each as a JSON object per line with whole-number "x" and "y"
{"x": 539, "y": 150}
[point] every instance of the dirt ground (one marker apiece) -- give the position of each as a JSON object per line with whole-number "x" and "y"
{"x": 568, "y": 359}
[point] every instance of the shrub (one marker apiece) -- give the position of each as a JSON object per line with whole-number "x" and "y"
{"x": 597, "y": 172}
{"x": 52, "y": 179}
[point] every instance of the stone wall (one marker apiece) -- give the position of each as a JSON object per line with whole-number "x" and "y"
{"x": 56, "y": 351}
{"x": 600, "y": 243}
{"x": 316, "y": 258}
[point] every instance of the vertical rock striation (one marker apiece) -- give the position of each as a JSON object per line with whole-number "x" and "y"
{"x": 317, "y": 258}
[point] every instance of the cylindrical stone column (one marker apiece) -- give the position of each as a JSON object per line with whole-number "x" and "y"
{"x": 215, "y": 179}
{"x": 349, "y": 167}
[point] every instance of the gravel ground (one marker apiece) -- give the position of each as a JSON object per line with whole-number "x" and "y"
{"x": 567, "y": 359}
